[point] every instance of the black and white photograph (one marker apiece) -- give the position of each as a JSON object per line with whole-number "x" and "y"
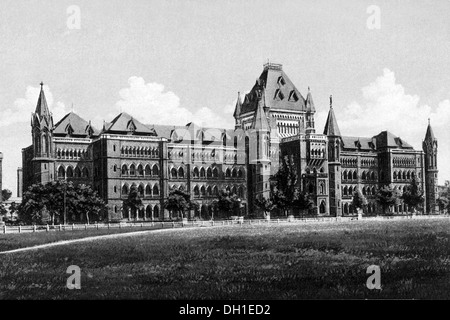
{"x": 224, "y": 154}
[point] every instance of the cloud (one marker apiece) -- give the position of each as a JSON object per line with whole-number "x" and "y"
{"x": 23, "y": 107}
{"x": 150, "y": 103}
{"x": 385, "y": 105}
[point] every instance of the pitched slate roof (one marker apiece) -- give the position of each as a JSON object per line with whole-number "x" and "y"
{"x": 429, "y": 136}
{"x": 279, "y": 91}
{"x": 384, "y": 139}
{"x": 125, "y": 123}
{"x": 74, "y": 125}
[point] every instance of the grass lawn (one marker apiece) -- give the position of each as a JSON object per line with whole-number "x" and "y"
{"x": 286, "y": 261}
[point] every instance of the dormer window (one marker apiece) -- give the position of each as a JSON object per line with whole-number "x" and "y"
{"x": 293, "y": 96}
{"x": 278, "y": 94}
{"x": 131, "y": 127}
{"x": 69, "y": 129}
{"x": 281, "y": 81}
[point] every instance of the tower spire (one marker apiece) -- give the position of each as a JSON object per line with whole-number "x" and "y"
{"x": 331, "y": 101}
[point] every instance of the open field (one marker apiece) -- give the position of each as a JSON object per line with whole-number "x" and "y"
{"x": 286, "y": 261}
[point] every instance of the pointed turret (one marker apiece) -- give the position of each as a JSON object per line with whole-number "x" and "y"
{"x": 237, "y": 110}
{"x": 41, "y": 106}
{"x": 309, "y": 102}
{"x": 331, "y": 126}
{"x": 260, "y": 121}
{"x": 429, "y": 136}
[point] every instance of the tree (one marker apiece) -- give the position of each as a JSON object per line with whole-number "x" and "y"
{"x": 228, "y": 203}
{"x": 178, "y": 201}
{"x": 134, "y": 201}
{"x": 13, "y": 208}
{"x": 3, "y": 211}
{"x": 44, "y": 203}
{"x": 266, "y": 205}
{"x": 285, "y": 185}
{"x": 413, "y": 196}
{"x": 303, "y": 201}
{"x": 387, "y": 196}
{"x": 359, "y": 201}
{"x": 6, "y": 194}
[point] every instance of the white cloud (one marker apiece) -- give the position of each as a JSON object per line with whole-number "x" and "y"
{"x": 23, "y": 107}
{"x": 385, "y": 105}
{"x": 151, "y": 104}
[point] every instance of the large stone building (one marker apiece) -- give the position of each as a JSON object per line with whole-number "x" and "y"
{"x": 273, "y": 121}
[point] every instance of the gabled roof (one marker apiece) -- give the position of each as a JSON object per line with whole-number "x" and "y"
{"x": 74, "y": 125}
{"x": 331, "y": 126}
{"x": 279, "y": 91}
{"x": 384, "y": 139}
{"x": 361, "y": 143}
{"x": 124, "y": 123}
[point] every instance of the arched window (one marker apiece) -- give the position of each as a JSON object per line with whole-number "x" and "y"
{"x": 228, "y": 173}
{"x": 345, "y": 191}
{"x": 125, "y": 189}
{"x": 345, "y": 175}
{"x": 140, "y": 170}
{"x": 148, "y": 212}
{"x": 322, "y": 188}
{"x": 346, "y": 208}
{"x": 61, "y": 172}
{"x": 215, "y": 190}
{"x": 202, "y": 190}
{"x": 155, "y": 170}
{"x": 234, "y": 173}
{"x": 141, "y": 190}
{"x": 180, "y": 172}
{"x": 173, "y": 173}
{"x": 241, "y": 192}
{"x": 354, "y": 175}
{"x": 404, "y": 175}
{"x": 208, "y": 191}
{"x": 373, "y": 175}
{"x": 209, "y": 173}
{"x": 363, "y": 175}
{"x": 132, "y": 170}
{"x": 124, "y": 170}
{"x": 202, "y": 172}
{"x": 148, "y": 190}
{"x": 395, "y": 175}
{"x": 69, "y": 172}
{"x": 196, "y": 191}
{"x": 240, "y": 173}
{"x": 215, "y": 173}
{"x": 155, "y": 190}
{"x": 195, "y": 173}
{"x": 147, "y": 171}
{"x": 85, "y": 172}
{"x": 322, "y": 207}
{"x": 156, "y": 211}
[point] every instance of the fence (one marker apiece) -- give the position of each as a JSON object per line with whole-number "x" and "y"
{"x": 210, "y": 223}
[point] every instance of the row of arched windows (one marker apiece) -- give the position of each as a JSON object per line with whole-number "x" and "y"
{"x": 404, "y": 175}
{"x": 367, "y": 162}
{"x": 214, "y": 190}
{"x": 140, "y": 170}
{"x": 349, "y": 162}
{"x": 70, "y": 172}
{"x": 403, "y": 162}
{"x": 353, "y": 175}
{"x": 146, "y": 213}
{"x": 140, "y": 151}
{"x": 71, "y": 153}
{"x": 143, "y": 190}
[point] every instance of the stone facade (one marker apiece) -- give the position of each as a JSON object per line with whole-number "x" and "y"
{"x": 273, "y": 121}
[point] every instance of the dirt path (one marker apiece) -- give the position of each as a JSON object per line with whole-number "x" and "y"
{"x": 109, "y": 236}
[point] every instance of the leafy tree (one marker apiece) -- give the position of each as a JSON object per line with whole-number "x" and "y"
{"x": 387, "y": 196}
{"x": 6, "y": 194}
{"x": 13, "y": 208}
{"x": 413, "y": 196}
{"x": 51, "y": 201}
{"x": 264, "y": 204}
{"x": 3, "y": 211}
{"x": 178, "y": 202}
{"x": 228, "y": 203}
{"x": 444, "y": 203}
{"x": 134, "y": 201}
{"x": 285, "y": 185}
{"x": 303, "y": 201}
{"x": 359, "y": 201}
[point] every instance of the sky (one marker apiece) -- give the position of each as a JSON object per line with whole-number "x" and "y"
{"x": 386, "y": 63}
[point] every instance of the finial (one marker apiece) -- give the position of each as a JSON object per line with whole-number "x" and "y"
{"x": 42, "y": 84}
{"x": 428, "y": 121}
{"x": 331, "y": 101}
